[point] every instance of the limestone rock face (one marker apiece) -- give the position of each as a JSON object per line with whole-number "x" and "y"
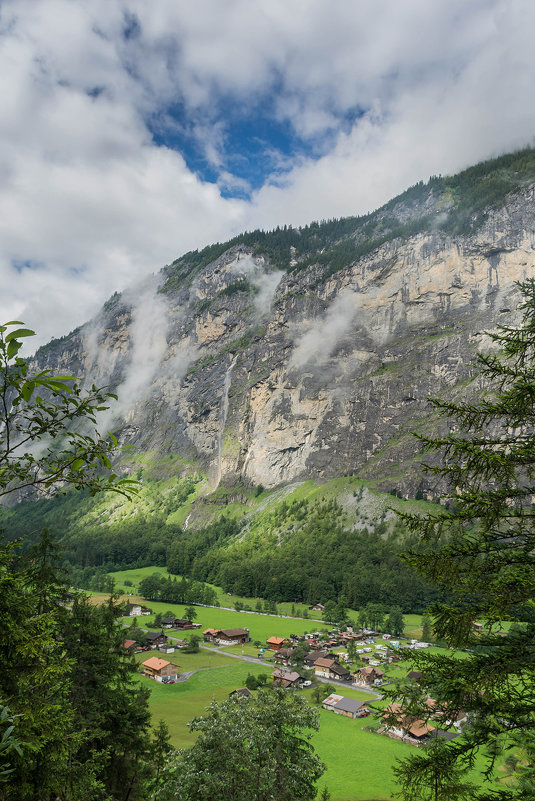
{"x": 266, "y": 377}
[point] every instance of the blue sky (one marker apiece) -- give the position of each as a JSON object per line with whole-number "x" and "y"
{"x": 132, "y": 133}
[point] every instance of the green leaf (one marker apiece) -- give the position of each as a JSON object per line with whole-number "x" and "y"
{"x": 20, "y": 332}
{"x": 77, "y": 464}
{"x": 13, "y": 348}
{"x": 13, "y": 322}
{"x": 27, "y": 390}
{"x": 113, "y": 439}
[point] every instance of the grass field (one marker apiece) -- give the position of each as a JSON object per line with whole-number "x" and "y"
{"x": 260, "y": 626}
{"x": 412, "y": 622}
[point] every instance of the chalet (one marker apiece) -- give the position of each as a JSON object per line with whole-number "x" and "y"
{"x": 350, "y": 708}
{"x": 177, "y": 623}
{"x": 129, "y": 645}
{"x": 311, "y": 658}
{"x": 367, "y": 676}
{"x": 226, "y": 636}
{"x": 276, "y": 643}
{"x": 245, "y": 691}
{"x": 285, "y": 679}
{"x": 283, "y": 656}
{"x": 156, "y": 638}
{"x": 331, "y": 669}
{"x": 160, "y": 669}
{"x": 317, "y": 608}
{"x": 406, "y": 727}
{"x": 135, "y": 610}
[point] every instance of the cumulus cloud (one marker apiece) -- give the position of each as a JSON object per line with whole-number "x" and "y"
{"x": 377, "y": 95}
{"x": 316, "y": 345}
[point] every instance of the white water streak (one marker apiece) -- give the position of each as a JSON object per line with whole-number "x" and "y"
{"x": 223, "y": 419}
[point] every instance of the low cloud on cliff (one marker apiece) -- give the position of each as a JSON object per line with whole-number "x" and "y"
{"x": 316, "y": 345}
{"x": 131, "y": 134}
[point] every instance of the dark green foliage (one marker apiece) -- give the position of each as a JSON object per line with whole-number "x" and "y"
{"x": 185, "y": 591}
{"x": 81, "y": 718}
{"x": 484, "y": 552}
{"x": 395, "y": 623}
{"x": 249, "y": 749}
{"x": 300, "y": 566}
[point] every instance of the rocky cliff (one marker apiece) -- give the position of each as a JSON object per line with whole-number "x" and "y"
{"x": 312, "y": 353}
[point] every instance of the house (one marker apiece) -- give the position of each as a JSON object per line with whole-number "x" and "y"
{"x": 129, "y": 645}
{"x": 275, "y": 643}
{"x": 156, "y": 638}
{"x": 226, "y": 636}
{"x": 405, "y": 726}
{"x": 283, "y": 656}
{"x": 176, "y": 623}
{"x": 285, "y": 679}
{"x": 367, "y": 676}
{"x": 160, "y": 669}
{"x": 331, "y": 669}
{"x": 135, "y": 610}
{"x": 245, "y": 691}
{"x": 350, "y": 708}
{"x": 311, "y": 658}
{"x": 317, "y": 608}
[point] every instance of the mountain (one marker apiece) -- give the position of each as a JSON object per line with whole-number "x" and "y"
{"x": 272, "y": 386}
{"x": 311, "y": 353}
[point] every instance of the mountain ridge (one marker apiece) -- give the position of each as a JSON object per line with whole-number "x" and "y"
{"x": 310, "y": 353}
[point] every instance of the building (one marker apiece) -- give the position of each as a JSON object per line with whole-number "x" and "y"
{"x": 331, "y": 669}
{"x": 368, "y": 676}
{"x": 160, "y": 669}
{"x": 286, "y": 679}
{"x": 156, "y": 639}
{"x": 276, "y": 643}
{"x": 350, "y": 708}
{"x": 135, "y": 610}
{"x": 226, "y": 636}
{"x": 283, "y": 656}
{"x": 406, "y": 727}
{"x": 329, "y": 702}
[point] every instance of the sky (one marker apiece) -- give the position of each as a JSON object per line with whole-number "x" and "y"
{"x": 132, "y": 132}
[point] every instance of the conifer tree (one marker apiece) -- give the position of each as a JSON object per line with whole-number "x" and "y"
{"x": 482, "y": 553}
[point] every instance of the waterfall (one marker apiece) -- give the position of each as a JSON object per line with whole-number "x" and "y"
{"x": 223, "y": 418}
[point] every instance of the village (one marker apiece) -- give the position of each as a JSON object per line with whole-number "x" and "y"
{"x": 326, "y": 663}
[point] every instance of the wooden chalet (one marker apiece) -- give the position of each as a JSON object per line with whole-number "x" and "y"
{"x": 276, "y": 643}
{"x": 160, "y": 669}
{"x": 226, "y": 636}
{"x": 156, "y": 639}
{"x": 406, "y": 727}
{"x": 283, "y": 656}
{"x": 285, "y": 679}
{"x": 367, "y": 676}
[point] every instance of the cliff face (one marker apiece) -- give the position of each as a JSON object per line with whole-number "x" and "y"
{"x": 267, "y": 376}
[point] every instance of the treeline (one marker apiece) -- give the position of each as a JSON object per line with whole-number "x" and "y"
{"x": 185, "y": 591}
{"x": 333, "y": 244}
{"x": 302, "y": 551}
{"x": 321, "y": 560}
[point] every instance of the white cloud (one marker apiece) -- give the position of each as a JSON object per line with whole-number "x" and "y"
{"x": 93, "y": 205}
